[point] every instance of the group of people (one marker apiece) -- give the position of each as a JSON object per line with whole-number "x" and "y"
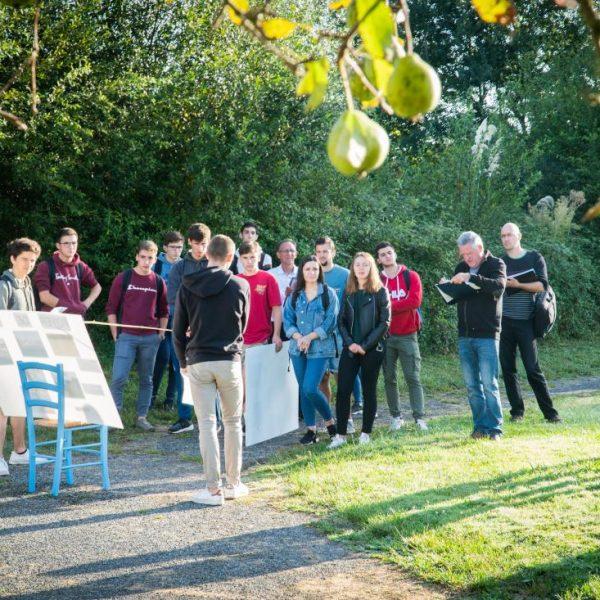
{"x": 196, "y": 315}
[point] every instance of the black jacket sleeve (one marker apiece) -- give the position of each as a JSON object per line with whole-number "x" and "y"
{"x": 181, "y": 322}
{"x": 494, "y": 281}
{"x": 345, "y": 321}
{"x": 541, "y": 270}
{"x": 383, "y": 318}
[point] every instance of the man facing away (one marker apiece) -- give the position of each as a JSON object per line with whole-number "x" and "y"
{"x": 172, "y": 247}
{"x": 249, "y": 233}
{"x": 336, "y": 278}
{"x": 402, "y": 345}
{"x": 213, "y": 305}
{"x": 479, "y": 331}
{"x": 137, "y": 296}
{"x": 198, "y": 237}
{"x": 59, "y": 279}
{"x": 16, "y": 293}
{"x": 517, "y": 325}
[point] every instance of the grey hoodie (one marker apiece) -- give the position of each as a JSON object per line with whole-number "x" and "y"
{"x": 16, "y": 294}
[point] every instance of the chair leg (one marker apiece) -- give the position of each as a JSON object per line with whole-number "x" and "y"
{"x": 32, "y": 455}
{"x": 68, "y": 457}
{"x": 60, "y": 444}
{"x": 104, "y": 456}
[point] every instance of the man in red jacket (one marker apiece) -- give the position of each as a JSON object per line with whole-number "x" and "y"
{"x": 402, "y": 344}
{"x": 60, "y": 278}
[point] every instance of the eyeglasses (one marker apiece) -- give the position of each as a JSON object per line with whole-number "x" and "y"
{"x": 286, "y": 251}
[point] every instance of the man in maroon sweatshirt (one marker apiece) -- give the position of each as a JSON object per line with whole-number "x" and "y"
{"x": 59, "y": 279}
{"x": 402, "y": 344}
{"x": 137, "y": 296}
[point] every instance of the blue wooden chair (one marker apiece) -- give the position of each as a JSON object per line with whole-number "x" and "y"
{"x": 63, "y": 443}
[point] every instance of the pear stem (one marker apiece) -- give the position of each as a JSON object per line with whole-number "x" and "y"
{"x": 346, "y": 82}
{"x": 407, "y": 30}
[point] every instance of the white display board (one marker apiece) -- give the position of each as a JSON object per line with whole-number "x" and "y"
{"x": 53, "y": 338}
{"x": 271, "y": 394}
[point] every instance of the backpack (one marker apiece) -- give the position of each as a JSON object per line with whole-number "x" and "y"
{"x": 406, "y": 275}
{"x": 11, "y": 297}
{"x": 544, "y": 313}
{"x": 125, "y": 284}
{"x": 52, "y": 277}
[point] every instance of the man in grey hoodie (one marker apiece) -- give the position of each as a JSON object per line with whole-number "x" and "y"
{"x": 16, "y": 293}
{"x": 198, "y": 237}
{"x": 213, "y": 304}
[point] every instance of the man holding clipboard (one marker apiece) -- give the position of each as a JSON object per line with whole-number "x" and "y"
{"x": 526, "y": 275}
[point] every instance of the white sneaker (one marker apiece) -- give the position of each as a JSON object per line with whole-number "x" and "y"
{"x": 396, "y": 423}
{"x": 23, "y": 459}
{"x": 205, "y": 497}
{"x": 336, "y": 442}
{"x": 143, "y": 423}
{"x": 350, "y": 427}
{"x": 3, "y": 467}
{"x": 232, "y": 492}
{"x": 420, "y": 423}
{"x": 364, "y": 438}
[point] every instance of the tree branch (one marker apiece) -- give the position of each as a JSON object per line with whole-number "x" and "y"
{"x": 407, "y": 29}
{"x": 13, "y": 119}
{"x": 35, "y": 50}
{"x": 356, "y": 68}
{"x": 592, "y": 20}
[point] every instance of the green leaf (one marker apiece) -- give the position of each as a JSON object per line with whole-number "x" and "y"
{"x": 337, "y": 4}
{"x": 376, "y": 29}
{"x": 277, "y": 29}
{"x": 314, "y": 82}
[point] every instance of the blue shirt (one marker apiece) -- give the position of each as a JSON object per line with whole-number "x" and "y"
{"x": 336, "y": 279}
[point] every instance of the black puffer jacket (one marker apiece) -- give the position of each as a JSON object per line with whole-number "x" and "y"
{"x": 480, "y": 315}
{"x": 375, "y": 318}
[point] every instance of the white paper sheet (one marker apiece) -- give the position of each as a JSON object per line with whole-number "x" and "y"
{"x": 53, "y": 338}
{"x": 271, "y": 394}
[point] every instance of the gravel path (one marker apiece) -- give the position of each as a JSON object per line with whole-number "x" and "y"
{"x": 144, "y": 539}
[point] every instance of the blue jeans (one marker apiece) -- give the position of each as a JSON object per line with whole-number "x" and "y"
{"x": 164, "y": 360}
{"x": 184, "y": 411}
{"x": 479, "y": 362}
{"x": 309, "y": 372}
{"x": 130, "y": 348}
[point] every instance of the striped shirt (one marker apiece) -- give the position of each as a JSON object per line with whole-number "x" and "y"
{"x": 519, "y": 305}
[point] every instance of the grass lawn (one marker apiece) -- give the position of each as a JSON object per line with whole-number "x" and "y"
{"x": 519, "y": 518}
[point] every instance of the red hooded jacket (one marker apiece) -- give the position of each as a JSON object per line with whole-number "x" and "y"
{"x": 405, "y": 317}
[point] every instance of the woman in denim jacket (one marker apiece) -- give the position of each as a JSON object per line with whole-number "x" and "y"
{"x": 309, "y": 321}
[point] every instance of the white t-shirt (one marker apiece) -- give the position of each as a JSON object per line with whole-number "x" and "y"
{"x": 284, "y": 280}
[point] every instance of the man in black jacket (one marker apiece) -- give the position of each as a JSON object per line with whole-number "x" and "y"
{"x": 213, "y": 304}
{"x": 517, "y": 324}
{"x": 479, "y": 316}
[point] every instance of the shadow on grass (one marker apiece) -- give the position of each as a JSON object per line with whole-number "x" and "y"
{"x": 570, "y": 577}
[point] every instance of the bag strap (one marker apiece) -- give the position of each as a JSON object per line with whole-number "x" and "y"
{"x": 406, "y": 275}
{"x": 158, "y": 267}
{"x": 159, "y": 293}
{"x": 124, "y": 285}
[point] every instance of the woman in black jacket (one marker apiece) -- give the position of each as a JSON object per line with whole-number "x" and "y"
{"x": 364, "y": 319}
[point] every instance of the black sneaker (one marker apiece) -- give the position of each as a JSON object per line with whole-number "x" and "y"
{"x": 554, "y": 419}
{"x": 331, "y": 430}
{"x": 181, "y": 426}
{"x": 310, "y": 437}
{"x": 357, "y": 409}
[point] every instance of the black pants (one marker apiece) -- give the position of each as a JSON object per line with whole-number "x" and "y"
{"x": 350, "y": 365}
{"x": 519, "y": 333}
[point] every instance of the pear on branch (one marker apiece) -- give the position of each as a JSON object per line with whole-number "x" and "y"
{"x": 414, "y": 87}
{"x": 357, "y": 144}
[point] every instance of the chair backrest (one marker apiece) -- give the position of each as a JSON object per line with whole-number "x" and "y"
{"x": 27, "y": 385}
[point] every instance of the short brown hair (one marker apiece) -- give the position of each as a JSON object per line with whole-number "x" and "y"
{"x": 373, "y": 282}
{"x": 147, "y": 245}
{"x": 172, "y": 236}
{"x": 20, "y": 245}
{"x": 64, "y": 232}
{"x": 249, "y": 248}
{"x": 220, "y": 247}
{"x": 325, "y": 240}
{"x": 199, "y": 232}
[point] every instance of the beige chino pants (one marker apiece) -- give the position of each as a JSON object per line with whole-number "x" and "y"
{"x": 206, "y": 378}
